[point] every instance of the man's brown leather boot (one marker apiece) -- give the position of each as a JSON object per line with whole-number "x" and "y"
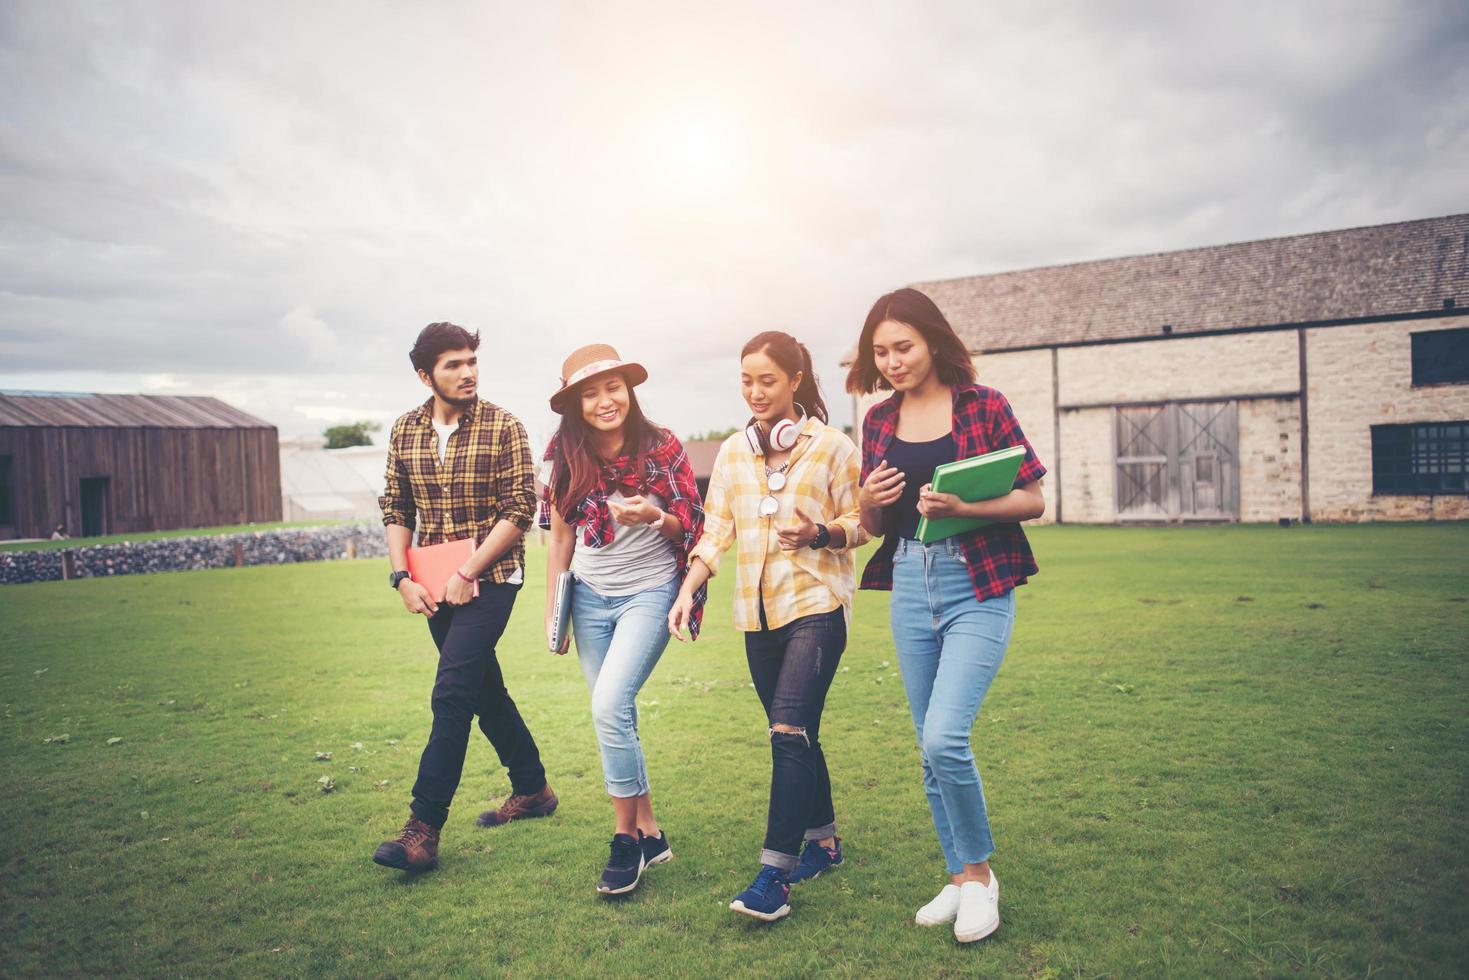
{"x": 415, "y": 849}
{"x": 520, "y": 807}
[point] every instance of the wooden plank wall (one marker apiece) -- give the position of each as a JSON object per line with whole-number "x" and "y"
{"x": 161, "y": 479}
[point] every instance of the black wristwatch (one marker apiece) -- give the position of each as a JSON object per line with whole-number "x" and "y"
{"x": 395, "y": 577}
{"x": 822, "y": 539}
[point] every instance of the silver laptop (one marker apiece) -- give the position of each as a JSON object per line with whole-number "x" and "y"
{"x": 561, "y": 613}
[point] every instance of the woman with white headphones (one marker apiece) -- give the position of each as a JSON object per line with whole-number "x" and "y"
{"x": 786, "y": 489}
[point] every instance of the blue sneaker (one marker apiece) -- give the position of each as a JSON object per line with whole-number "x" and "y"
{"x": 767, "y": 898}
{"x": 655, "y": 849}
{"x": 624, "y": 867}
{"x": 816, "y": 859}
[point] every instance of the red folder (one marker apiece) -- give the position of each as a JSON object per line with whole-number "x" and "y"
{"x": 432, "y": 567}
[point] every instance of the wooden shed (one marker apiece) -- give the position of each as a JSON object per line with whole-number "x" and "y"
{"x": 112, "y": 464}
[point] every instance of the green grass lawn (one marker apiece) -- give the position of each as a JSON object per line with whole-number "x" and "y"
{"x": 186, "y": 532}
{"x": 1211, "y": 752}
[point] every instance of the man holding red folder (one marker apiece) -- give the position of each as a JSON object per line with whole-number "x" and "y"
{"x": 460, "y": 469}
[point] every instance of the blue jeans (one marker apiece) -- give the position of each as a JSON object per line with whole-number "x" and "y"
{"x": 619, "y": 640}
{"x": 950, "y": 645}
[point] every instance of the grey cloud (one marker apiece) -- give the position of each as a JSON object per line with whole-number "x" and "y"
{"x": 272, "y": 199}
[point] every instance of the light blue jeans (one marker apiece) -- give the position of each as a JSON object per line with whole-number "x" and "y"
{"x": 950, "y": 645}
{"x": 618, "y": 641}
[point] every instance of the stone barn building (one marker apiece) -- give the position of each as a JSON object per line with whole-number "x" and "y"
{"x": 114, "y": 464}
{"x": 1320, "y": 377}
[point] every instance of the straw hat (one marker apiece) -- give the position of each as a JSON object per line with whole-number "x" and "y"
{"x": 593, "y": 361}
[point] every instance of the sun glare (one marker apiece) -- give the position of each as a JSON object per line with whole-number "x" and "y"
{"x": 698, "y": 151}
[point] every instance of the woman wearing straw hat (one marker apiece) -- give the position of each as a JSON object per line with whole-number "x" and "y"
{"x": 623, "y": 510}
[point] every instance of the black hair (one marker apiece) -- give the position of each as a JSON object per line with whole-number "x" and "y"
{"x": 791, "y": 356}
{"x": 950, "y": 360}
{"x": 436, "y": 338}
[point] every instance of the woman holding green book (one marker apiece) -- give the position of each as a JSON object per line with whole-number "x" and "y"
{"x": 953, "y": 603}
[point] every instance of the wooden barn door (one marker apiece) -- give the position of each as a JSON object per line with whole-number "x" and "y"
{"x": 1208, "y": 461}
{"x": 1144, "y": 489}
{"x": 1178, "y": 461}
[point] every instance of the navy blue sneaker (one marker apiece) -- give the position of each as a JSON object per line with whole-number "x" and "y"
{"x": 767, "y": 898}
{"x": 655, "y": 849}
{"x": 624, "y": 867}
{"x": 816, "y": 859}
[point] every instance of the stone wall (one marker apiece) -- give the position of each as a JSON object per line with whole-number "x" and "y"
{"x": 1179, "y": 368}
{"x": 1088, "y": 480}
{"x": 1270, "y": 459}
{"x": 274, "y": 547}
{"x": 1182, "y": 369}
{"x": 1362, "y": 376}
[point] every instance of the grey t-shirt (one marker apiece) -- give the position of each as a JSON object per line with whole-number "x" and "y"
{"x": 638, "y": 558}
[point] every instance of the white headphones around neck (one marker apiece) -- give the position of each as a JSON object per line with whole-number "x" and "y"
{"x": 783, "y": 434}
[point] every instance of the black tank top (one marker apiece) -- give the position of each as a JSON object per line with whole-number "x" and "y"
{"x": 917, "y": 460}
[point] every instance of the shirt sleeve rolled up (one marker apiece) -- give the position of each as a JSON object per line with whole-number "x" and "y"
{"x": 515, "y": 476}
{"x": 397, "y": 499}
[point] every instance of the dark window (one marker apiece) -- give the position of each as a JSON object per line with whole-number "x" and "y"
{"x": 7, "y": 494}
{"x": 1441, "y": 357}
{"x": 1429, "y": 457}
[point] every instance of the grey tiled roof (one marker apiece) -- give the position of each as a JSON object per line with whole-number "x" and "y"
{"x": 1410, "y": 266}
{"x": 26, "y": 408}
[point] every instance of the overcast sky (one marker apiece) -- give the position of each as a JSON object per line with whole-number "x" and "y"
{"x": 265, "y": 202}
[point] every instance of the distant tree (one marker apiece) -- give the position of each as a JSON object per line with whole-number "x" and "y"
{"x": 713, "y": 435}
{"x": 356, "y": 434}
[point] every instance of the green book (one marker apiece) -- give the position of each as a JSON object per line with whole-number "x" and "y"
{"x": 976, "y": 478}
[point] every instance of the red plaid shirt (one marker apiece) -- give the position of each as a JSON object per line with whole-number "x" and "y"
{"x": 999, "y": 556}
{"x": 664, "y": 470}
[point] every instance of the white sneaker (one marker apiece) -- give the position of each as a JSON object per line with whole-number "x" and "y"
{"x": 942, "y": 909}
{"x": 979, "y": 910}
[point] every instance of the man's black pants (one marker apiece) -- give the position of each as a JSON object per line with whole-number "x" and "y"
{"x": 469, "y": 683}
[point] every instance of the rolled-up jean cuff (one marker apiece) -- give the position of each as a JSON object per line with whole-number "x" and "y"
{"x": 822, "y": 833}
{"x": 785, "y": 862}
{"x": 627, "y": 789}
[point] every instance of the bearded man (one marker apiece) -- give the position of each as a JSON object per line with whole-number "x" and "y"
{"x": 460, "y": 467}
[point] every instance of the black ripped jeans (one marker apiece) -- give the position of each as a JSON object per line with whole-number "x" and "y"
{"x": 792, "y": 668}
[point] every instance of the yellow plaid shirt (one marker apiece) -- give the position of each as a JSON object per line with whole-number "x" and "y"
{"x": 822, "y": 480}
{"x": 487, "y": 476}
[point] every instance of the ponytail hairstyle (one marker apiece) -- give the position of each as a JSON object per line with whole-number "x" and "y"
{"x": 792, "y": 357}
{"x": 576, "y": 468}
